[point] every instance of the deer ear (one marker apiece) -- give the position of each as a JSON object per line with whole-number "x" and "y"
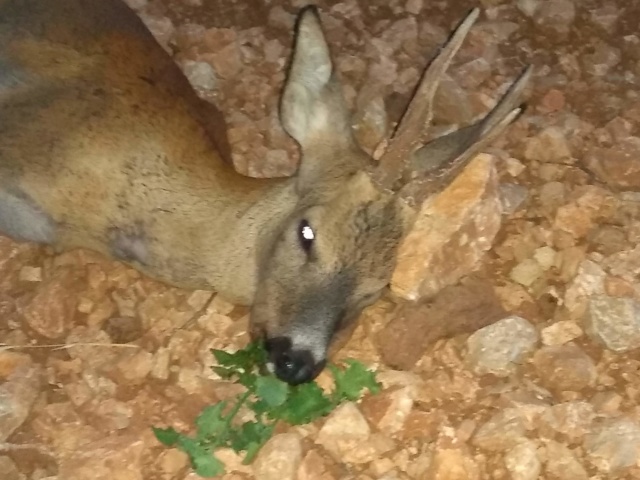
{"x": 312, "y": 108}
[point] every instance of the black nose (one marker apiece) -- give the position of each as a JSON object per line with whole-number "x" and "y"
{"x": 292, "y": 366}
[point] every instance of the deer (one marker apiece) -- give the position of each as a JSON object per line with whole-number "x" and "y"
{"x": 104, "y": 145}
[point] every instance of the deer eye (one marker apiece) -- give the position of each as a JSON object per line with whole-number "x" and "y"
{"x": 306, "y": 235}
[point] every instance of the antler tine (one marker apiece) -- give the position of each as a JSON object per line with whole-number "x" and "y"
{"x": 454, "y": 151}
{"x": 408, "y": 134}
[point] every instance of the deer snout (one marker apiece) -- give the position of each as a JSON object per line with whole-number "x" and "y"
{"x": 290, "y": 364}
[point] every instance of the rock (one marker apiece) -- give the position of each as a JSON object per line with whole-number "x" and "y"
{"x": 501, "y": 432}
{"x": 224, "y": 52}
{"x": 614, "y": 322}
{"x": 571, "y": 419}
{"x": 414, "y": 6}
{"x": 624, "y": 264}
{"x": 116, "y": 456}
{"x": 388, "y": 411}
{"x": 17, "y": 396}
{"x": 526, "y": 272}
{"x": 602, "y": 59}
{"x": 51, "y": 310}
{"x": 589, "y": 205}
{"x": 555, "y": 16}
{"x": 456, "y": 310}
{"x": 562, "y": 462}
{"x": 617, "y": 164}
{"x": 565, "y": 367}
{"x": 499, "y": 347}
{"x": 346, "y": 435}
{"x": 172, "y": 461}
{"x": 522, "y": 461}
{"x": 451, "y": 234}
{"x": 9, "y": 469}
{"x": 588, "y": 281}
{"x": 453, "y": 464}
{"x": 316, "y": 467}
{"x": 561, "y": 332}
{"x": 550, "y": 145}
{"x": 134, "y": 368}
{"x": 614, "y": 445}
{"x": 200, "y": 74}
{"x": 280, "y": 458}
{"x": 512, "y": 196}
{"x": 161, "y": 361}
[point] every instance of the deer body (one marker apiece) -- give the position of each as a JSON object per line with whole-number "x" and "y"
{"x": 104, "y": 145}
{"x": 101, "y": 147}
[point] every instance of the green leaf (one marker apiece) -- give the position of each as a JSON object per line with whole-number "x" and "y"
{"x": 167, "y": 436}
{"x": 352, "y": 380}
{"x": 249, "y": 435}
{"x": 207, "y": 466}
{"x": 306, "y": 402}
{"x": 273, "y": 391}
{"x": 211, "y": 422}
{"x": 247, "y": 359}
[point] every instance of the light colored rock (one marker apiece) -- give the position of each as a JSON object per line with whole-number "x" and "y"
{"x": 280, "y": 458}
{"x": 200, "y": 74}
{"x": 561, "y": 332}
{"x": 451, "y": 234}
{"x": 453, "y": 464}
{"x": 617, "y": 164}
{"x": 614, "y": 445}
{"x": 614, "y": 322}
{"x": 161, "y": 361}
{"x": 136, "y": 367}
{"x": 315, "y": 467}
{"x": 522, "y": 461}
{"x": 347, "y": 435}
{"x": 389, "y": 410}
{"x": 562, "y": 463}
{"x": 499, "y": 347}
{"x": 550, "y": 145}
{"x": 556, "y": 16}
{"x": 572, "y": 419}
{"x": 589, "y": 204}
{"x": 565, "y": 367}
{"x": 588, "y": 281}
{"x": 51, "y": 310}
{"x": 526, "y": 272}
{"x": 17, "y": 395}
{"x": 501, "y": 432}
{"x": 105, "y": 459}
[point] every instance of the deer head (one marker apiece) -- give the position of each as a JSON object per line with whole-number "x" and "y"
{"x": 335, "y": 253}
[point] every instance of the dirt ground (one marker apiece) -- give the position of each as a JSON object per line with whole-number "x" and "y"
{"x": 527, "y": 368}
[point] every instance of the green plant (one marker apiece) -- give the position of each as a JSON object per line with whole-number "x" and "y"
{"x": 270, "y": 399}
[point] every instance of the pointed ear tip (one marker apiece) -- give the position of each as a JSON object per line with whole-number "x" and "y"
{"x": 308, "y": 13}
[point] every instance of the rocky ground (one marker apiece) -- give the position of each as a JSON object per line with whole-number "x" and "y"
{"x": 522, "y": 362}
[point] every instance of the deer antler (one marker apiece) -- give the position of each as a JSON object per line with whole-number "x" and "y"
{"x": 408, "y": 134}
{"x": 406, "y": 159}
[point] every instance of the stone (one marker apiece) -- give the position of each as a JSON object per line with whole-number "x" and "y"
{"x": 565, "y": 367}
{"x": 452, "y": 464}
{"x": 17, "y": 396}
{"x": 115, "y": 456}
{"x": 614, "y": 445}
{"x": 9, "y": 469}
{"x": 200, "y": 74}
{"x": 561, "y": 332}
{"x": 279, "y": 459}
{"x": 51, "y": 310}
{"x": 316, "y": 467}
{"x": 135, "y": 368}
{"x": 614, "y": 322}
{"x": 590, "y": 203}
{"x": 501, "y": 432}
{"x": 389, "y": 410}
{"x": 452, "y": 232}
{"x": 601, "y": 60}
{"x": 571, "y": 419}
{"x": 588, "y": 281}
{"x": 526, "y": 272}
{"x": 617, "y": 164}
{"x": 498, "y": 348}
{"x": 522, "y": 461}
{"x": 346, "y": 435}
{"x": 548, "y": 146}
{"x": 161, "y": 361}
{"x": 562, "y": 462}
{"x": 555, "y": 16}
